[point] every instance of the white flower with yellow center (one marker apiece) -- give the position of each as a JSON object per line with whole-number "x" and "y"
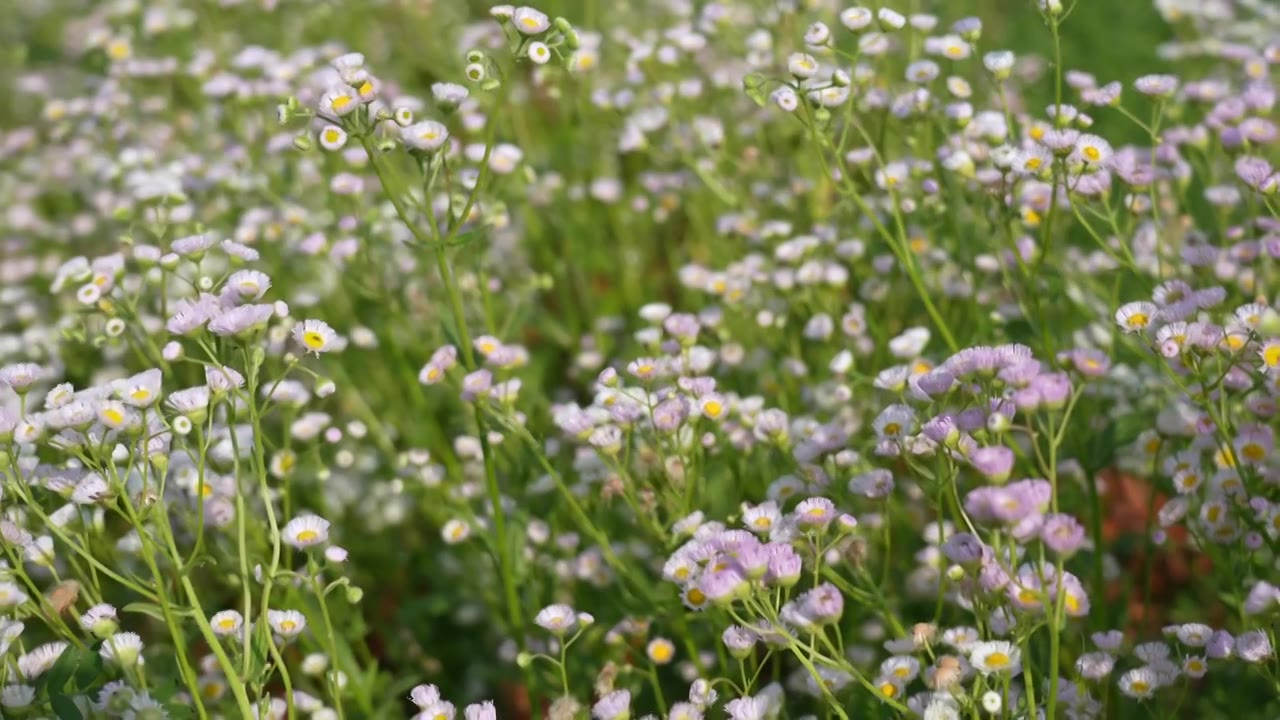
{"x": 332, "y": 138}
{"x": 539, "y": 53}
{"x": 314, "y": 335}
{"x": 226, "y": 622}
{"x": 455, "y": 531}
{"x": 287, "y": 623}
{"x": 1092, "y": 149}
{"x": 1139, "y": 683}
{"x": 1135, "y": 317}
{"x": 997, "y": 656}
{"x": 856, "y": 18}
{"x": 530, "y": 21}
{"x": 306, "y": 531}
{"x": 660, "y": 651}
{"x": 141, "y": 390}
{"x": 114, "y": 415}
{"x": 802, "y": 65}
{"x": 339, "y": 101}
{"x": 427, "y": 135}
{"x": 119, "y": 49}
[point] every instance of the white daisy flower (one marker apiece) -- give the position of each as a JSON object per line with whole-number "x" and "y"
{"x": 539, "y": 53}
{"x": 455, "y": 531}
{"x": 996, "y": 656}
{"x": 557, "y": 619}
{"x": 287, "y": 623}
{"x": 1136, "y": 316}
{"x": 332, "y": 138}
{"x": 427, "y": 135}
{"x": 340, "y": 101}
{"x": 37, "y": 662}
{"x": 306, "y": 531}
{"x": 530, "y": 21}
{"x": 314, "y": 335}
{"x": 1139, "y": 683}
{"x": 123, "y": 648}
{"x": 226, "y": 622}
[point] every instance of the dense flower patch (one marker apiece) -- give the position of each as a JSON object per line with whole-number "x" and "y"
{"x": 699, "y": 359}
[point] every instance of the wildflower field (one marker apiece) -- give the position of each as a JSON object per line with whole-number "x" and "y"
{"x": 679, "y": 359}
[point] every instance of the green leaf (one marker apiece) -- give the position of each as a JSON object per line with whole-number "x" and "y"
{"x": 155, "y": 611}
{"x": 65, "y": 708}
{"x": 146, "y": 609}
{"x": 89, "y": 670}
{"x": 753, "y": 86}
{"x": 165, "y": 690}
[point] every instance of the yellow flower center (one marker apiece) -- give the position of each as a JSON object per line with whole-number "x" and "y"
{"x": 366, "y": 88}
{"x": 113, "y": 416}
{"x": 1072, "y": 603}
{"x": 1091, "y": 153}
{"x": 307, "y": 536}
{"x": 212, "y": 690}
{"x": 140, "y": 394}
{"x": 1139, "y": 686}
{"x": 313, "y": 340}
{"x": 902, "y": 671}
{"x": 997, "y": 660}
{"x": 1271, "y": 355}
{"x": 918, "y": 244}
{"x": 331, "y": 135}
{"x": 888, "y": 689}
{"x": 530, "y": 22}
{"x": 227, "y": 624}
{"x": 892, "y": 428}
{"x": 696, "y": 597}
{"x": 1253, "y": 452}
{"x": 341, "y": 102}
{"x": 1138, "y": 320}
{"x": 682, "y": 573}
{"x": 662, "y": 653}
{"x": 433, "y": 374}
{"x": 119, "y": 50}
{"x": 457, "y": 532}
{"x": 287, "y": 625}
{"x": 712, "y": 409}
{"x": 1037, "y": 132}
{"x": 1033, "y": 163}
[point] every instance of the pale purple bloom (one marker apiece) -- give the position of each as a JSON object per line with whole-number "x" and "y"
{"x": 1062, "y": 534}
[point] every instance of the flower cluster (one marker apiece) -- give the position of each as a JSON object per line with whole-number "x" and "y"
{"x": 673, "y": 359}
